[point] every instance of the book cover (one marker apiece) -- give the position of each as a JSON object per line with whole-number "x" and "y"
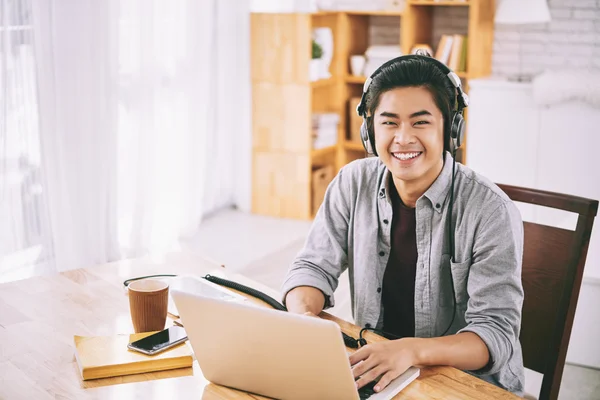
{"x": 444, "y": 48}
{"x": 439, "y": 53}
{"x": 455, "y": 54}
{"x": 108, "y": 356}
{"x": 463, "y": 56}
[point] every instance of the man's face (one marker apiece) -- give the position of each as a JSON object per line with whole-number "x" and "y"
{"x": 409, "y": 134}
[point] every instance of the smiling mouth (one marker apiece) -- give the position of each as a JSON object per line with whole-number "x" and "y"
{"x": 407, "y": 156}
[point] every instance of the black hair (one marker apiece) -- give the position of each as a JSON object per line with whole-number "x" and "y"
{"x": 414, "y": 73}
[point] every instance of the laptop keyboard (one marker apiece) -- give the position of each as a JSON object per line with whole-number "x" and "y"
{"x": 367, "y": 391}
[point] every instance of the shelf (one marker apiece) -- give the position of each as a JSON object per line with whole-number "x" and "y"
{"x": 439, "y": 2}
{"x": 361, "y": 79}
{"x": 356, "y": 79}
{"x": 378, "y": 13}
{"x": 354, "y": 146}
{"x": 322, "y": 152}
{"x": 322, "y": 82}
{"x": 323, "y": 13}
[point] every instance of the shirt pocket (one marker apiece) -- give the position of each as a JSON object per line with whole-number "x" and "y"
{"x": 454, "y": 275}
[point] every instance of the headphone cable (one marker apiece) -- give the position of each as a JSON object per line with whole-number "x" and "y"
{"x": 128, "y": 281}
{"x": 451, "y": 236}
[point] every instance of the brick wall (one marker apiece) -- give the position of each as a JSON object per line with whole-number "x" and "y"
{"x": 571, "y": 39}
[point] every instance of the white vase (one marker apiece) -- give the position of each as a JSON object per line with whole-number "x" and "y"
{"x": 357, "y": 65}
{"x": 315, "y": 69}
{"x": 324, "y": 37}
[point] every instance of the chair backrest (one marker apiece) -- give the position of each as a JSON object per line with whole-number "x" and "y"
{"x": 553, "y": 262}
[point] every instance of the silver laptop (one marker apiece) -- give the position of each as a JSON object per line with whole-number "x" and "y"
{"x": 269, "y": 352}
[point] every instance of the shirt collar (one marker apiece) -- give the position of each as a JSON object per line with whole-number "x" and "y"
{"x": 437, "y": 192}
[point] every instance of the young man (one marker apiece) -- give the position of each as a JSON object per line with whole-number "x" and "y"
{"x": 434, "y": 250}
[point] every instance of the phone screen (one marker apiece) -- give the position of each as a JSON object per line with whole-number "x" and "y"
{"x": 160, "y": 339}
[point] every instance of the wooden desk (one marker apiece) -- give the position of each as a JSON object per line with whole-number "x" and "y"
{"x": 39, "y": 316}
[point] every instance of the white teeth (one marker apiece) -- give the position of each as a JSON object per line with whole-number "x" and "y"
{"x": 405, "y": 156}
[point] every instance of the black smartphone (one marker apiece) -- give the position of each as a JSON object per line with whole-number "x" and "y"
{"x": 159, "y": 341}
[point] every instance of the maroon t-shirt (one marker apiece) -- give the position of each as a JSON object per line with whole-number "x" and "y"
{"x": 398, "y": 293}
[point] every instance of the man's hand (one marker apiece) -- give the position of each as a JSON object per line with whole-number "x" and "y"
{"x": 392, "y": 358}
{"x": 387, "y": 359}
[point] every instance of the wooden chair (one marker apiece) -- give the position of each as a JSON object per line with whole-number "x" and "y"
{"x": 553, "y": 263}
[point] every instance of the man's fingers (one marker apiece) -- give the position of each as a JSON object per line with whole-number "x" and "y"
{"x": 385, "y": 380}
{"x": 362, "y": 367}
{"x": 360, "y": 354}
{"x": 369, "y": 376}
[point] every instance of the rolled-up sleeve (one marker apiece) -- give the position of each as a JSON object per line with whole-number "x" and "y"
{"x": 494, "y": 285}
{"x": 325, "y": 253}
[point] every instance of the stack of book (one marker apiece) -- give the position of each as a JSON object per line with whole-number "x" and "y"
{"x": 452, "y": 51}
{"x": 377, "y": 55}
{"x": 325, "y": 129}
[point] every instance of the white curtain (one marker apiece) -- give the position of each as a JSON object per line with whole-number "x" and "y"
{"x": 76, "y": 57}
{"x": 184, "y": 90}
{"x": 25, "y": 238}
{"x": 142, "y": 109}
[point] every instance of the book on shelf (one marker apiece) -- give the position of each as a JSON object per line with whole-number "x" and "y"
{"x": 462, "y": 65}
{"x": 108, "y": 356}
{"x": 452, "y": 51}
{"x": 324, "y": 130}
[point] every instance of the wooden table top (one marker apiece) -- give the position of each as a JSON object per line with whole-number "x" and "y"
{"x": 40, "y": 316}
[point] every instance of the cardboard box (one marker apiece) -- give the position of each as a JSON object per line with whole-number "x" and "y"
{"x": 354, "y": 121}
{"x": 321, "y": 178}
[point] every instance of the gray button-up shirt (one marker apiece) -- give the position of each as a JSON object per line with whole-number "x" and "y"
{"x": 352, "y": 230}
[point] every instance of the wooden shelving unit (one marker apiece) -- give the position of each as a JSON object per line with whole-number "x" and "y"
{"x": 284, "y": 99}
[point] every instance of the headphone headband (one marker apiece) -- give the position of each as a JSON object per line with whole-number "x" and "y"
{"x": 462, "y": 98}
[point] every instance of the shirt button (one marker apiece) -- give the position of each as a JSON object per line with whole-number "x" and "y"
{"x": 378, "y": 290}
{"x": 367, "y": 325}
{"x": 438, "y": 205}
{"x": 381, "y": 253}
{"x": 385, "y": 221}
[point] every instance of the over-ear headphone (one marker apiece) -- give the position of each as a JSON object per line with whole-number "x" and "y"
{"x": 457, "y": 122}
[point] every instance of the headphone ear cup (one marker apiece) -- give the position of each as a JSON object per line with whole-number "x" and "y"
{"x": 457, "y": 130}
{"x": 366, "y": 138}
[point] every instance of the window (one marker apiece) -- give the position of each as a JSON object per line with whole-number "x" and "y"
{"x": 24, "y": 229}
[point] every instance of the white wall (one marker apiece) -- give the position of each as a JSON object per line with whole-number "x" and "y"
{"x": 546, "y": 147}
{"x": 584, "y": 348}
